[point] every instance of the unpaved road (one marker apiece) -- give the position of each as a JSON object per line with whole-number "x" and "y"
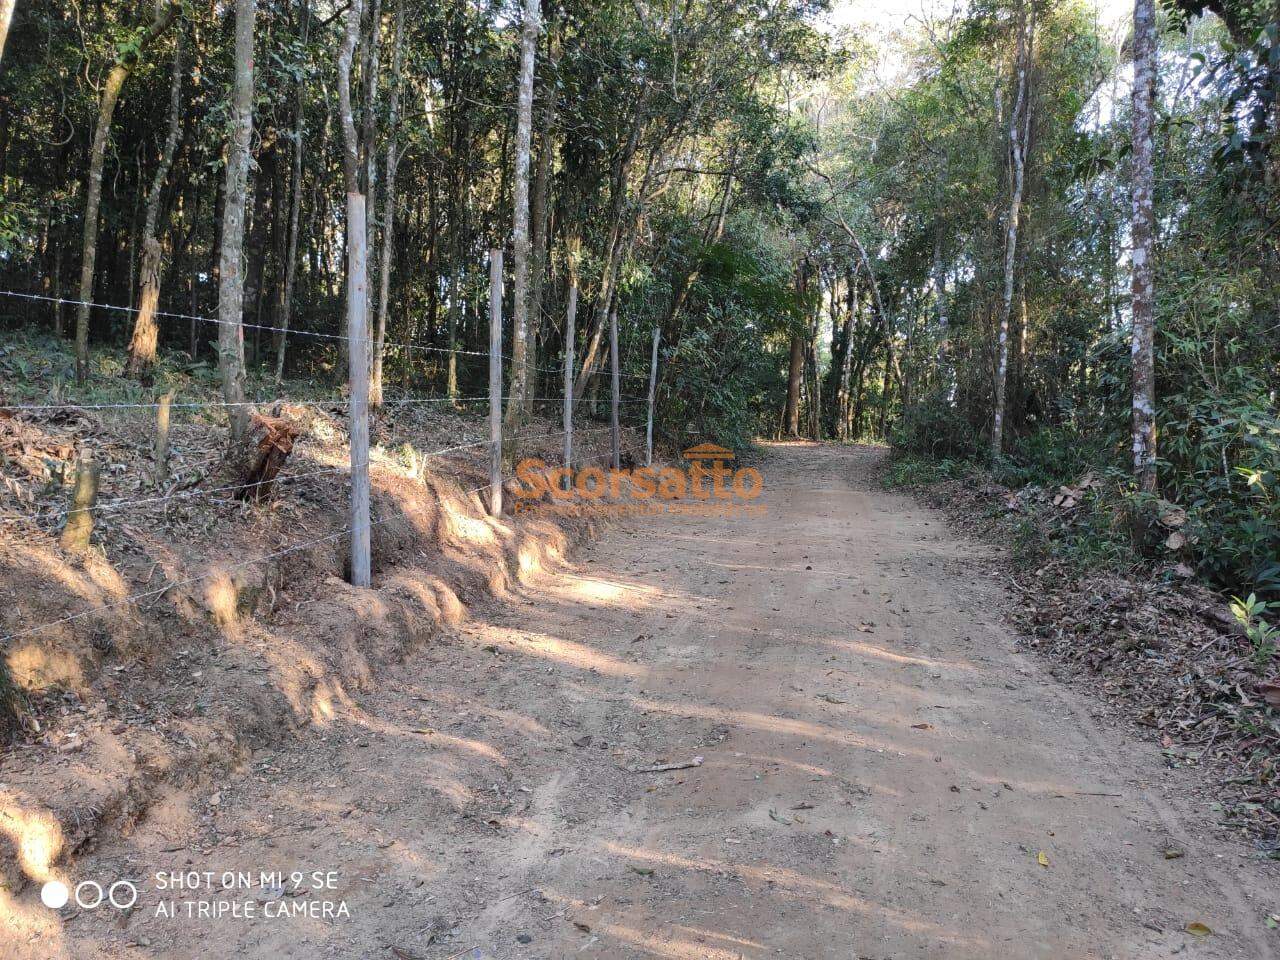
{"x": 882, "y": 774}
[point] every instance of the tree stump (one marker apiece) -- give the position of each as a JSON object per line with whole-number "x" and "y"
{"x": 263, "y": 454}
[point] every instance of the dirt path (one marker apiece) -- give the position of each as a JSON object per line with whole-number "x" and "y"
{"x": 882, "y": 774}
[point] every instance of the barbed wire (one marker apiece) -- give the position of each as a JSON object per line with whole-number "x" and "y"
{"x": 237, "y": 323}
{"x": 341, "y": 401}
{"x": 112, "y": 506}
{"x": 451, "y": 351}
{"x": 295, "y": 548}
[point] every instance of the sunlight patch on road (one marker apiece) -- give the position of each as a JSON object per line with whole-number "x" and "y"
{"x": 565, "y": 652}
{"x": 802, "y": 888}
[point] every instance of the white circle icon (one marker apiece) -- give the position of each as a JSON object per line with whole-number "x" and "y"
{"x": 130, "y": 889}
{"x": 80, "y": 898}
{"x": 55, "y": 894}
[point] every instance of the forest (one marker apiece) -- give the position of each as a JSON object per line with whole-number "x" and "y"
{"x": 944, "y": 261}
{"x": 977, "y": 300}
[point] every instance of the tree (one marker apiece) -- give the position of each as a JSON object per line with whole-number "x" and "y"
{"x": 517, "y": 392}
{"x": 109, "y": 97}
{"x": 1019, "y": 134}
{"x": 295, "y": 205}
{"x": 389, "y": 207}
{"x": 142, "y": 346}
{"x": 6, "y": 16}
{"x": 1142, "y": 230}
{"x": 230, "y": 276}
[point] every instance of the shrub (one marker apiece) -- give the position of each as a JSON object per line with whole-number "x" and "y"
{"x": 1223, "y": 452}
{"x": 933, "y": 427}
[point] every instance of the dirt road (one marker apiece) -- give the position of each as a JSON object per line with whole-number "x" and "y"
{"x": 883, "y": 775}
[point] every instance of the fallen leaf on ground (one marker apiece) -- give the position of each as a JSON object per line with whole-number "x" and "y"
{"x": 1042, "y": 858}
{"x": 1198, "y": 929}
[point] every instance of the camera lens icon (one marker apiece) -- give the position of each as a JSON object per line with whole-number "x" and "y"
{"x": 89, "y": 894}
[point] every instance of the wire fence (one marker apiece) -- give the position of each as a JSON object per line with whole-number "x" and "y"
{"x": 283, "y": 331}
{"x": 224, "y": 568}
{"x": 359, "y": 461}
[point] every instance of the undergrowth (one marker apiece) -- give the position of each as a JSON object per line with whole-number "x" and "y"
{"x": 917, "y": 471}
{"x": 1219, "y": 509}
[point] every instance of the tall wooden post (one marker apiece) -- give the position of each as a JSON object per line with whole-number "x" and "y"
{"x": 161, "y": 452}
{"x": 653, "y": 385}
{"x": 570, "y": 317}
{"x": 358, "y": 381}
{"x": 79, "y": 527}
{"x": 495, "y": 382}
{"x": 615, "y": 432}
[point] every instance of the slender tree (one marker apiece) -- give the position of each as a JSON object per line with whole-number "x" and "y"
{"x": 520, "y": 218}
{"x": 107, "y": 101}
{"x": 295, "y": 206}
{"x": 388, "y": 205}
{"x": 1142, "y": 231}
{"x": 6, "y": 16}
{"x": 230, "y": 274}
{"x": 142, "y": 346}
{"x": 1019, "y": 129}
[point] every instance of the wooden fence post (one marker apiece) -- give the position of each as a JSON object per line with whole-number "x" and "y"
{"x": 570, "y": 317}
{"x": 615, "y": 432}
{"x": 161, "y": 452}
{"x": 495, "y": 381}
{"x": 653, "y": 383}
{"x": 358, "y": 382}
{"x": 79, "y": 526}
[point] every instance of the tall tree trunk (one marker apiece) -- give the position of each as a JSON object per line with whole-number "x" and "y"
{"x": 886, "y": 393}
{"x": 230, "y": 276}
{"x": 1019, "y": 128}
{"x": 851, "y": 326}
{"x": 295, "y": 209}
{"x": 520, "y": 219}
{"x": 368, "y": 138}
{"x": 944, "y": 322}
{"x": 795, "y": 365}
{"x": 388, "y": 207}
{"x": 1143, "y": 233}
{"x": 107, "y": 101}
{"x": 6, "y": 15}
{"x": 58, "y": 254}
{"x": 541, "y": 211}
{"x": 142, "y": 348}
{"x": 351, "y": 166}
{"x": 795, "y": 370}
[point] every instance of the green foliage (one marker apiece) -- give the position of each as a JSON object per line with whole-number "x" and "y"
{"x": 722, "y": 374}
{"x": 910, "y": 470}
{"x": 1224, "y": 455}
{"x": 1262, "y": 636}
{"x": 1054, "y": 455}
{"x": 935, "y": 428}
